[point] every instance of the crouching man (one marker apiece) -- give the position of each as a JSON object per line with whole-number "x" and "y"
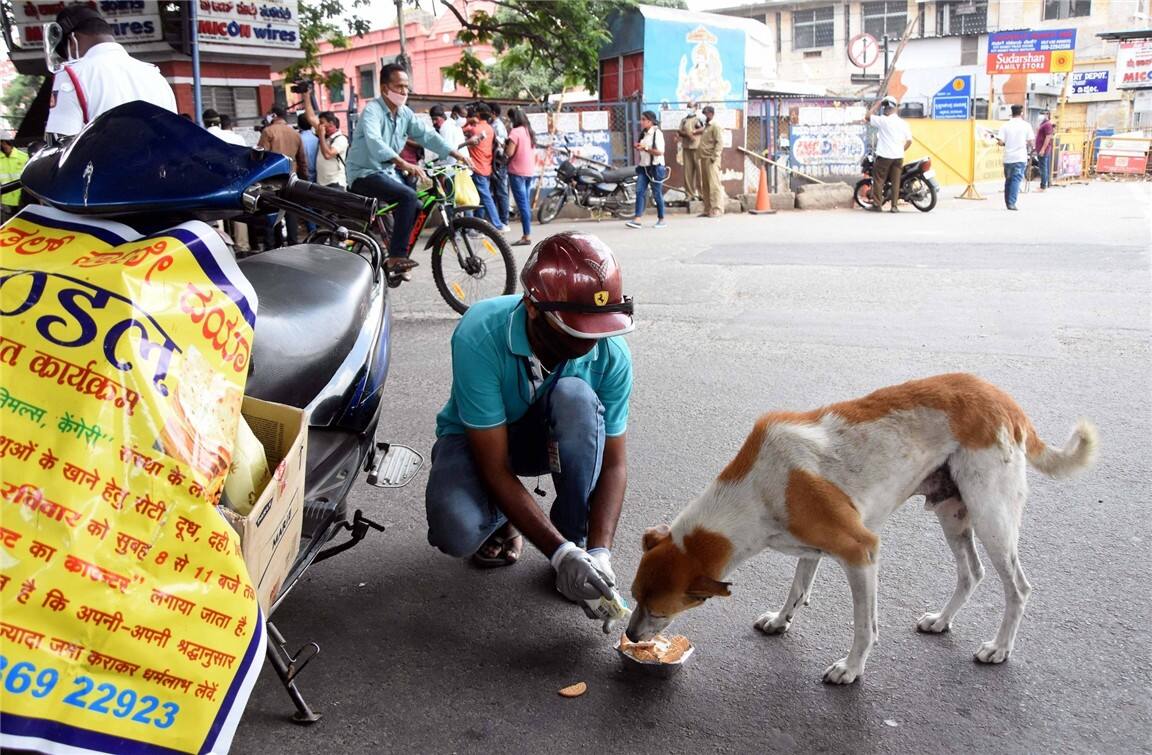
{"x": 540, "y": 385}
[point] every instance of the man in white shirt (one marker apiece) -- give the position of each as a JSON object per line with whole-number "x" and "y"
{"x": 99, "y": 75}
{"x": 215, "y": 126}
{"x": 331, "y": 148}
{"x": 893, "y": 138}
{"x": 1017, "y": 138}
{"x": 449, "y": 130}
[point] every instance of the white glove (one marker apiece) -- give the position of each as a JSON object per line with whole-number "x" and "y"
{"x": 578, "y": 578}
{"x": 602, "y": 557}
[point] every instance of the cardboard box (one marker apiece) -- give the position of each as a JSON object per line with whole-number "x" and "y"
{"x": 270, "y": 534}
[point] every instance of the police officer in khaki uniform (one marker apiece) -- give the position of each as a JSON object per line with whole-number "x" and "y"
{"x": 711, "y": 150}
{"x": 690, "y": 129}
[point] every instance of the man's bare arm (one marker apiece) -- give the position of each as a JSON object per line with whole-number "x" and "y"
{"x": 608, "y": 497}
{"x": 490, "y": 453}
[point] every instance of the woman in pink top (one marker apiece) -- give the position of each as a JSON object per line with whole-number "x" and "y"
{"x": 520, "y": 149}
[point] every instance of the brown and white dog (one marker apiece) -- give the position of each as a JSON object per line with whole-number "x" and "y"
{"x": 821, "y": 483}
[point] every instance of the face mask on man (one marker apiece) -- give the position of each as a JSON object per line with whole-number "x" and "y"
{"x": 396, "y": 98}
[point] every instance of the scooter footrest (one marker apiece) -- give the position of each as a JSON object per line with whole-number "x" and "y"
{"x": 395, "y": 466}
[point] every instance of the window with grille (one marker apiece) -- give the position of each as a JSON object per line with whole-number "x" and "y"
{"x": 969, "y": 51}
{"x": 367, "y": 82}
{"x": 336, "y": 93}
{"x": 884, "y": 17}
{"x": 1054, "y": 9}
{"x": 963, "y": 17}
{"x": 812, "y": 28}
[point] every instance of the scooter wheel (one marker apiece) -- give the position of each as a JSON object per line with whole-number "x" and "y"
{"x": 863, "y": 193}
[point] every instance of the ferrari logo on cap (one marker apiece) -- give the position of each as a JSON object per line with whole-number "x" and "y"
{"x": 601, "y": 298}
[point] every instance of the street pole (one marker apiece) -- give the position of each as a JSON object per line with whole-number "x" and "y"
{"x": 403, "y": 42}
{"x": 885, "y": 38}
{"x": 194, "y": 41}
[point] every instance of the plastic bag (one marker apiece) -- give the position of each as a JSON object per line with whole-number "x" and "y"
{"x": 466, "y": 193}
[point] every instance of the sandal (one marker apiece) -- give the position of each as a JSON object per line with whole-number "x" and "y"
{"x": 400, "y": 264}
{"x": 502, "y": 548}
{"x": 524, "y": 241}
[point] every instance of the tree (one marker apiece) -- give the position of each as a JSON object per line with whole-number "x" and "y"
{"x": 318, "y": 24}
{"x": 543, "y": 46}
{"x": 17, "y": 98}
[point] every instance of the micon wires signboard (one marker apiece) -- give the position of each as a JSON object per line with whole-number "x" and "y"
{"x": 1134, "y": 64}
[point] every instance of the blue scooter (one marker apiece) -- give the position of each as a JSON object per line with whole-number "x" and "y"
{"x": 323, "y": 330}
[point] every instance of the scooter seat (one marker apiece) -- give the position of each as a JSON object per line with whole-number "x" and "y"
{"x": 617, "y": 175}
{"x": 312, "y": 301}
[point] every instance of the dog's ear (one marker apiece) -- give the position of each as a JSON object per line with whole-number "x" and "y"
{"x": 705, "y": 587}
{"x": 654, "y": 535}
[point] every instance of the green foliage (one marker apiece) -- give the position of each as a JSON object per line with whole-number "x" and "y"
{"x": 18, "y": 97}
{"x": 541, "y": 47}
{"x": 318, "y": 24}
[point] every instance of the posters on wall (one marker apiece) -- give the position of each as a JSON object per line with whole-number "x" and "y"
{"x": 827, "y": 150}
{"x": 595, "y": 146}
{"x": 692, "y": 62}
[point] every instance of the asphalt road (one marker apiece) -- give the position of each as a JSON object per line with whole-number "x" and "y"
{"x": 422, "y": 653}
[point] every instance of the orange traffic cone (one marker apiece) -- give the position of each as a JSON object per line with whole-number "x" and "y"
{"x": 763, "y": 204}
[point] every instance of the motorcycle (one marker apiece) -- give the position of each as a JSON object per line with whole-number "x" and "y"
{"x": 324, "y": 326}
{"x": 918, "y": 185}
{"x": 611, "y": 190}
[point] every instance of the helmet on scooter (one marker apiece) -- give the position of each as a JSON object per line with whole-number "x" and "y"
{"x": 575, "y": 280}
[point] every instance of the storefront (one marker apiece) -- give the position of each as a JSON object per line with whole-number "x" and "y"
{"x": 240, "y": 44}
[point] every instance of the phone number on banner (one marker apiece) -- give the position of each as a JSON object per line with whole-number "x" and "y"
{"x": 22, "y": 678}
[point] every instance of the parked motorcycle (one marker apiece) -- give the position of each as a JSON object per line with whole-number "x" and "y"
{"x": 612, "y": 190}
{"x": 323, "y": 331}
{"x": 918, "y": 185}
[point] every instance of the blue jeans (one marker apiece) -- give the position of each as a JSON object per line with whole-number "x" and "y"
{"x": 487, "y": 206}
{"x": 522, "y": 193}
{"x": 461, "y": 516}
{"x": 1045, "y": 169}
{"x": 642, "y": 182}
{"x": 499, "y": 186}
{"x": 388, "y": 189}
{"x": 1013, "y": 176}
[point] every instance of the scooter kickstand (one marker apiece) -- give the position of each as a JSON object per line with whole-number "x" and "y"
{"x": 288, "y": 667}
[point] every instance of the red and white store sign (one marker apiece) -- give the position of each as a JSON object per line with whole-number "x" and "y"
{"x": 269, "y": 23}
{"x": 131, "y": 20}
{"x": 260, "y": 23}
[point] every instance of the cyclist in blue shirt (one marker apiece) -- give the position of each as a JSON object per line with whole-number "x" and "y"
{"x": 540, "y": 384}
{"x": 374, "y": 158}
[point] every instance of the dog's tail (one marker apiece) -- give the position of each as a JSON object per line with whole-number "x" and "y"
{"x": 1078, "y": 453}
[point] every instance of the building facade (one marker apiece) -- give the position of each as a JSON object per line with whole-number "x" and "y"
{"x": 949, "y": 38}
{"x": 240, "y": 44}
{"x": 430, "y": 42}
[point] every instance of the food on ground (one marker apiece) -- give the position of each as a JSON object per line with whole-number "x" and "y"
{"x": 659, "y": 649}
{"x": 574, "y": 690}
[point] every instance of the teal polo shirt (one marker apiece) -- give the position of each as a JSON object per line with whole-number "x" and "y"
{"x": 490, "y": 380}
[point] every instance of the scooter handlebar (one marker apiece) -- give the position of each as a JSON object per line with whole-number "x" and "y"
{"x": 336, "y": 201}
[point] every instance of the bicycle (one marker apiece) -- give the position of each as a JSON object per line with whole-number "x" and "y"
{"x": 478, "y": 248}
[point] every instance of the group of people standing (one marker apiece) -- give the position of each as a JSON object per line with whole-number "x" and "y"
{"x": 702, "y": 145}
{"x": 503, "y": 159}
